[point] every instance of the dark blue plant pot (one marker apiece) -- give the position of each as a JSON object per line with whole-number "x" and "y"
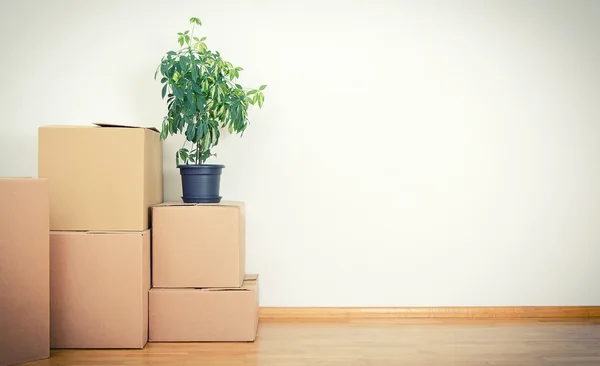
{"x": 201, "y": 183}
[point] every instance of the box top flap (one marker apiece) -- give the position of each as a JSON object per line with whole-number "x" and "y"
{"x": 250, "y": 278}
{"x": 105, "y": 232}
{"x": 125, "y": 126}
{"x": 222, "y": 203}
{"x": 223, "y": 289}
{"x": 12, "y": 180}
{"x": 249, "y": 284}
{"x": 99, "y": 232}
{"x": 96, "y": 125}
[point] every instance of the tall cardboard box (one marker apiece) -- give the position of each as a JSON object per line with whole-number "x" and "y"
{"x": 209, "y": 314}
{"x": 102, "y": 177}
{"x": 99, "y": 289}
{"x": 198, "y": 245}
{"x": 24, "y": 271}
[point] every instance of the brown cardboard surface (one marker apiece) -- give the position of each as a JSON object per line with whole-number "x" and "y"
{"x": 198, "y": 245}
{"x": 102, "y": 124}
{"x": 24, "y": 270}
{"x": 99, "y": 289}
{"x": 101, "y": 178}
{"x": 211, "y": 315}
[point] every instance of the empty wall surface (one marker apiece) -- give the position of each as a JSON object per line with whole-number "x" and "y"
{"x": 408, "y": 153}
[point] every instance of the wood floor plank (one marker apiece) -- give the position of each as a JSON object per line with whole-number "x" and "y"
{"x": 383, "y": 342}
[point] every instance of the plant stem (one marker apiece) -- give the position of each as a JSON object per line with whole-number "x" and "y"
{"x": 182, "y": 146}
{"x": 199, "y": 152}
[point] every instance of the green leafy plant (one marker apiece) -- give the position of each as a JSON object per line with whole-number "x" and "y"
{"x": 202, "y": 96}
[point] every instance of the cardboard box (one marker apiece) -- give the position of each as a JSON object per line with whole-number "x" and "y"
{"x": 198, "y": 245}
{"x": 99, "y": 283}
{"x": 24, "y": 270}
{"x": 101, "y": 177}
{"x": 210, "y": 314}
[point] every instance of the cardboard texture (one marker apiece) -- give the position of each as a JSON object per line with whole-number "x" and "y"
{"x": 99, "y": 289}
{"x": 95, "y": 169}
{"x": 24, "y": 270}
{"x": 211, "y": 315}
{"x": 198, "y": 245}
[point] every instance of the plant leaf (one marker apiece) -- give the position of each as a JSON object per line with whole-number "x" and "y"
{"x": 217, "y": 135}
{"x": 199, "y": 131}
{"x": 184, "y": 62}
{"x": 190, "y": 132}
{"x": 262, "y": 87}
{"x": 164, "y": 129}
{"x": 194, "y": 72}
{"x": 184, "y": 155}
{"x": 196, "y": 88}
{"x": 178, "y": 93}
{"x": 180, "y": 124}
{"x": 190, "y": 109}
{"x": 164, "y": 91}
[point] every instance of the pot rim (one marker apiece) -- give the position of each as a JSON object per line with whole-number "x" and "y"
{"x": 200, "y": 166}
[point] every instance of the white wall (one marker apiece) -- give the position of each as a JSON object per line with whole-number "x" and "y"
{"x": 409, "y": 153}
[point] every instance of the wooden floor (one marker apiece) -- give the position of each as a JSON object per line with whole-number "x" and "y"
{"x": 406, "y": 342}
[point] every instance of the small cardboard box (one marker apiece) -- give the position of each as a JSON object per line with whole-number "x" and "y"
{"x": 198, "y": 245}
{"x": 209, "y": 314}
{"x": 99, "y": 287}
{"x": 102, "y": 177}
{"x": 24, "y": 270}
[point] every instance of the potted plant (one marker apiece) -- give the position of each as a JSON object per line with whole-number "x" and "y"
{"x": 203, "y": 100}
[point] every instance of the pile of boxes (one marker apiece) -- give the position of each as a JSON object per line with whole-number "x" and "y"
{"x": 91, "y": 256}
{"x": 103, "y": 181}
{"x": 200, "y": 289}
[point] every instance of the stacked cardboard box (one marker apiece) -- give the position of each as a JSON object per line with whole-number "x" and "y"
{"x": 103, "y": 181}
{"x": 24, "y": 271}
{"x": 200, "y": 289}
